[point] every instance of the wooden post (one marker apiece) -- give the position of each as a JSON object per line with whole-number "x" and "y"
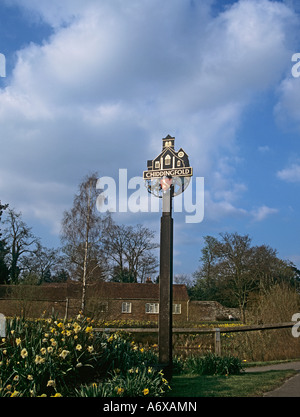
{"x": 166, "y": 285}
{"x": 217, "y": 342}
{"x": 2, "y": 325}
{"x": 67, "y": 308}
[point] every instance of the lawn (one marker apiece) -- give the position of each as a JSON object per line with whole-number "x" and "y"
{"x": 244, "y": 385}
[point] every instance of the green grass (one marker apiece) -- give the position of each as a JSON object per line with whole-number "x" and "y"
{"x": 253, "y": 384}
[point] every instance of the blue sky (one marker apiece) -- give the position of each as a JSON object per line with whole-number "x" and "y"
{"x": 95, "y": 85}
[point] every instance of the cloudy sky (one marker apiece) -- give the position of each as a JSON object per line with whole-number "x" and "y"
{"x": 94, "y": 85}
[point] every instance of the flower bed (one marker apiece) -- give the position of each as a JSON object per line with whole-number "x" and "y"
{"x": 49, "y": 357}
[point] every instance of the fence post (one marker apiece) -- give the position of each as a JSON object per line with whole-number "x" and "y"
{"x": 67, "y": 308}
{"x": 2, "y": 325}
{"x": 217, "y": 342}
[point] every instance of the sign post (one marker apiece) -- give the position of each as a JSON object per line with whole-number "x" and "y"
{"x": 168, "y": 175}
{"x": 166, "y": 281}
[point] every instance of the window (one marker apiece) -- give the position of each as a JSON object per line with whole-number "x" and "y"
{"x": 103, "y": 307}
{"x": 168, "y": 160}
{"x": 176, "y": 308}
{"x": 152, "y": 308}
{"x": 126, "y": 307}
{"x": 157, "y": 164}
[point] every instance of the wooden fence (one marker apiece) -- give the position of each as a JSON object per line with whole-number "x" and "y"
{"x": 217, "y": 331}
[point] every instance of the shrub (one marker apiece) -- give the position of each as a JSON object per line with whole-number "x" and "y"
{"x": 212, "y": 364}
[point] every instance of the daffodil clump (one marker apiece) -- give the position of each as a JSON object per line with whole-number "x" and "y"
{"x": 45, "y": 357}
{"x": 125, "y": 323}
{"x": 120, "y": 352}
{"x": 52, "y": 358}
{"x": 136, "y": 382}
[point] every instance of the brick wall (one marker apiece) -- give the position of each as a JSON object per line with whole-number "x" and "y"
{"x": 210, "y": 311}
{"x": 62, "y": 299}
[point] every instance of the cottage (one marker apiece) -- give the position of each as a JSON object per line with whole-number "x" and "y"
{"x": 108, "y": 300}
{"x": 135, "y": 301}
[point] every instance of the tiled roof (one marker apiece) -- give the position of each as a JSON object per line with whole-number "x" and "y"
{"x": 139, "y": 291}
{"x": 116, "y": 290}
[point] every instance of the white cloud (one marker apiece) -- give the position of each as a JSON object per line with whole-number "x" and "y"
{"x": 117, "y": 76}
{"x": 217, "y": 210}
{"x": 264, "y": 149}
{"x": 287, "y": 108}
{"x": 261, "y": 213}
{"x": 291, "y": 174}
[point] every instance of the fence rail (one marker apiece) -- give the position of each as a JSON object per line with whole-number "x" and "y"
{"x": 197, "y": 330}
{"x": 217, "y": 331}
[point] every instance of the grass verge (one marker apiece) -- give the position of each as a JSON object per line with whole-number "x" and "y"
{"x": 244, "y": 385}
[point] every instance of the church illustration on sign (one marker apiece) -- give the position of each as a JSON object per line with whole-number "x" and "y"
{"x": 169, "y": 159}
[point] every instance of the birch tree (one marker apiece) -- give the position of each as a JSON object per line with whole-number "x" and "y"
{"x": 81, "y": 233}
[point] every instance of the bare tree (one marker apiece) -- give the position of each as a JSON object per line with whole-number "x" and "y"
{"x": 2, "y": 208}
{"x": 232, "y": 270}
{"x": 237, "y": 256}
{"x": 81, "y": 233}
{"x": 41, "y": 265}
{"x": 4, "y": 271}
{"x": 20, "y": 240}
{"x": 130, "y": 251}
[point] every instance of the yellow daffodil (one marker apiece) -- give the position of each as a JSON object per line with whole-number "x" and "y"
{"x": 64, "y": 354}
{"x": 24, "y": 353}
{"x": 38, "y": 360}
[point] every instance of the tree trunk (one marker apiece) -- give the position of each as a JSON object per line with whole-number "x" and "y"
{"x": 84, "y": 277}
